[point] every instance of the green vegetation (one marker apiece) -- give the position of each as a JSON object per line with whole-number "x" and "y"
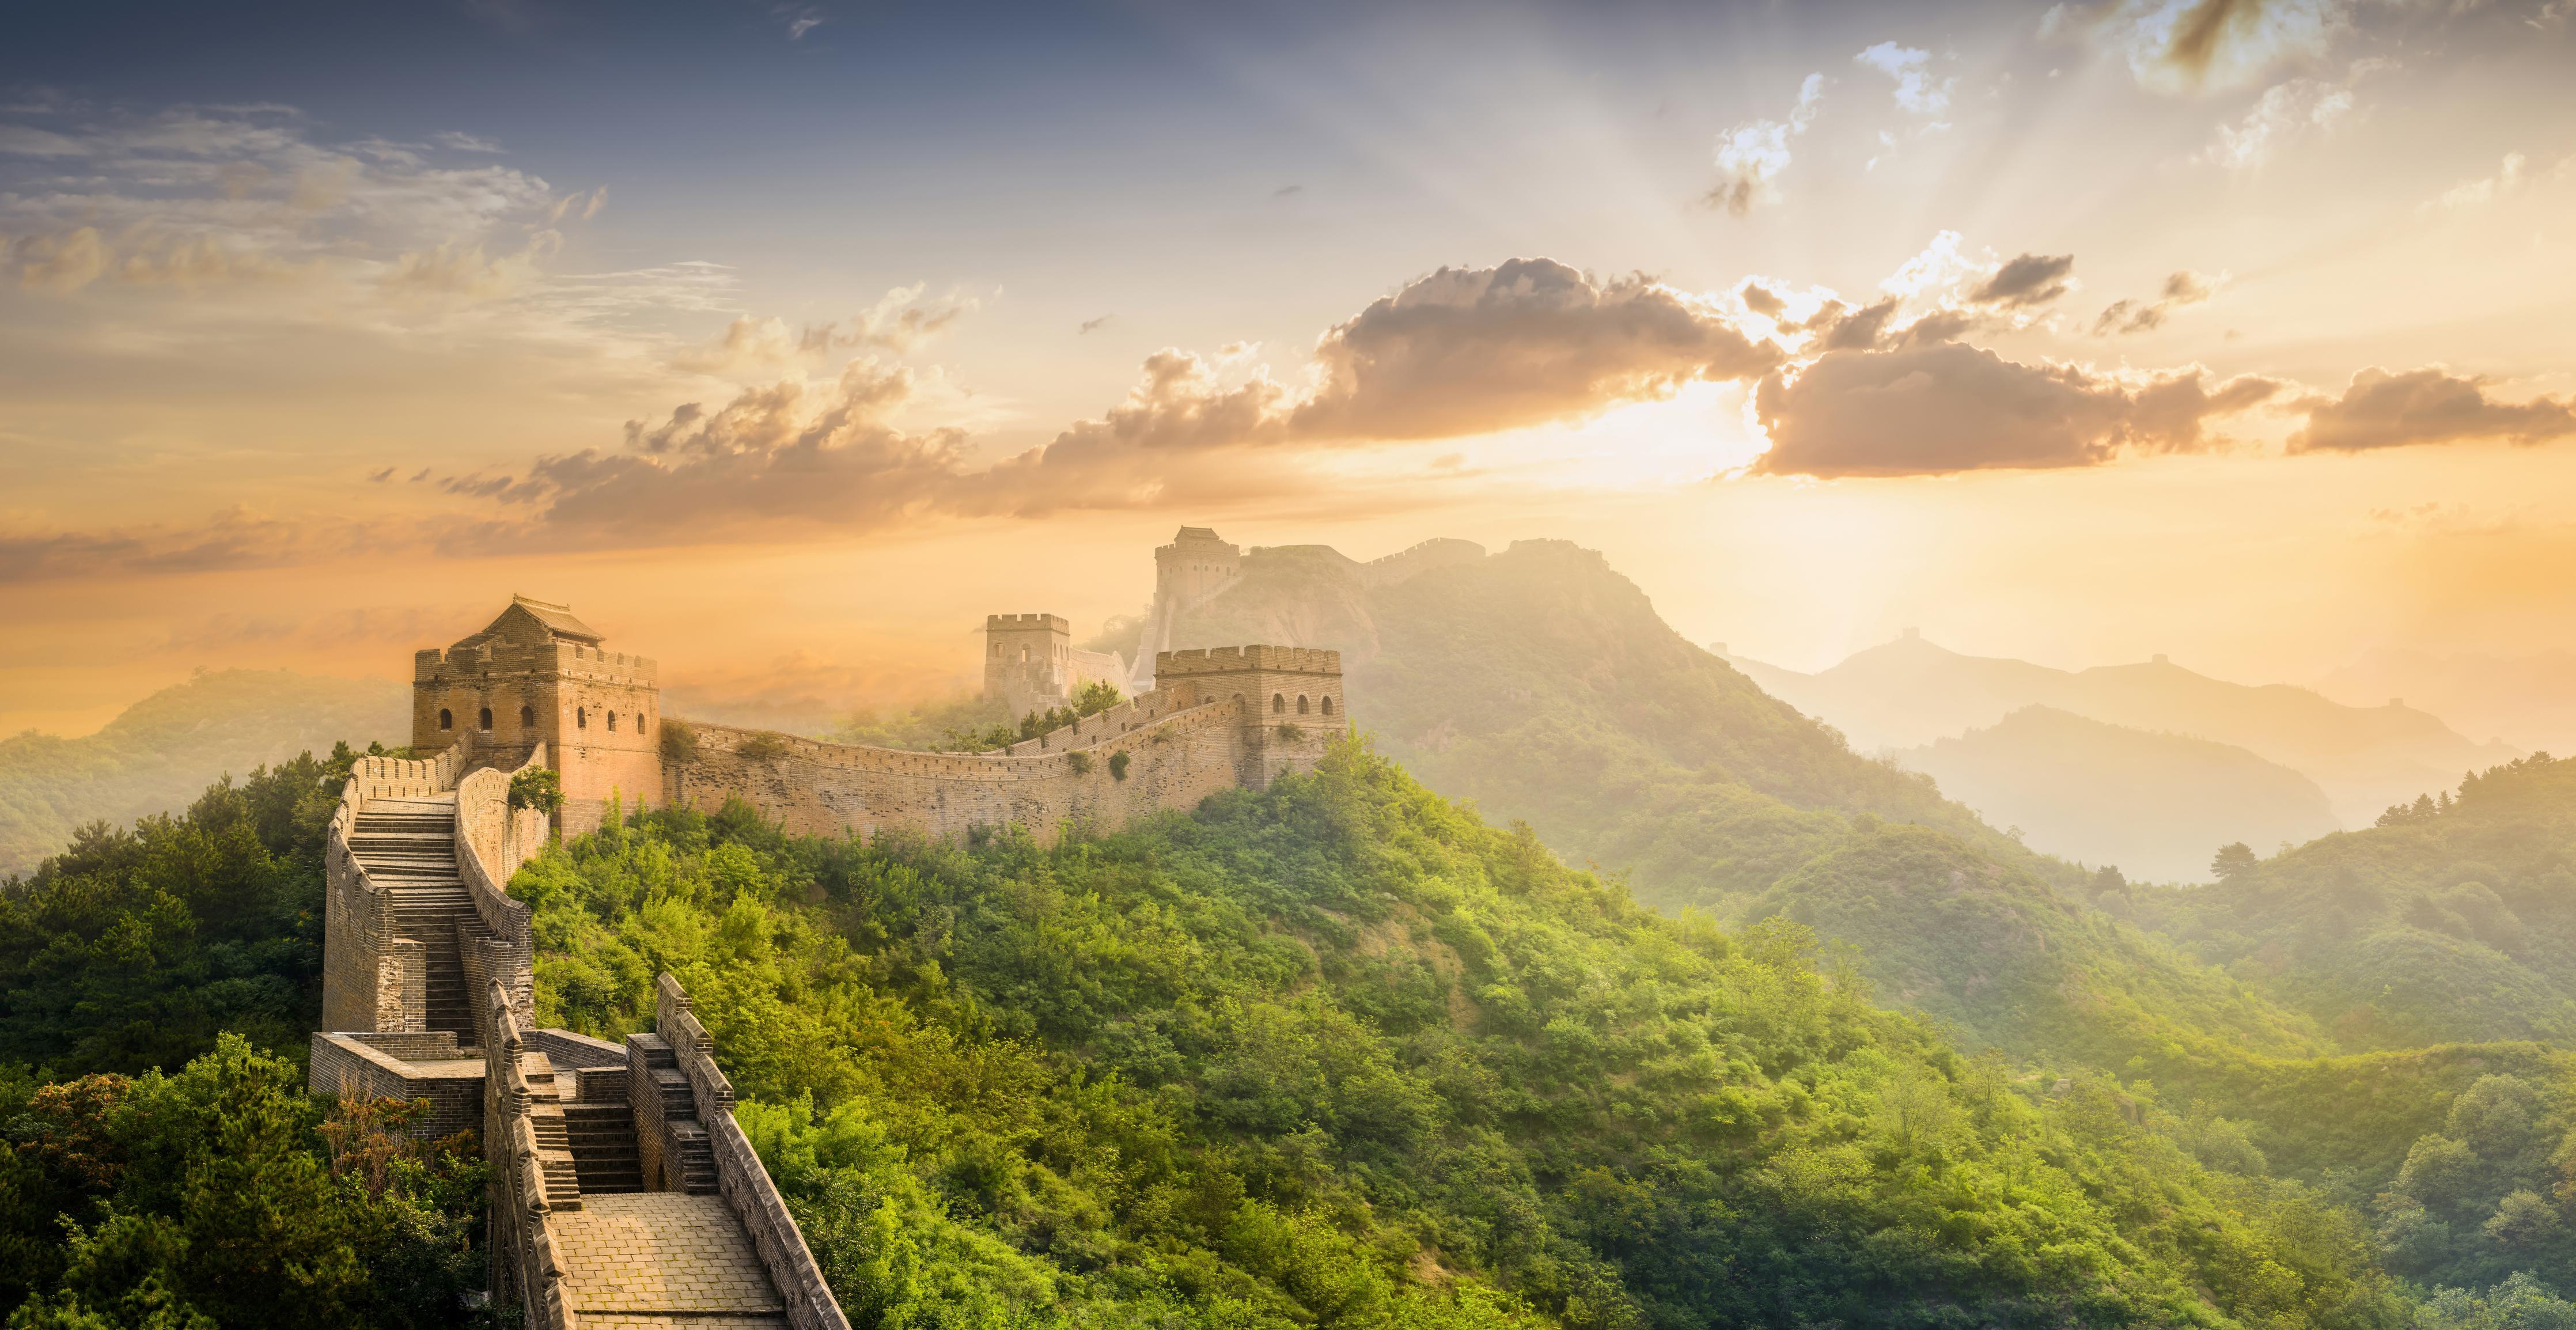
{"x": 1091, "y": 699}
{"x": 1340, "y": 1054}
{"x": 2453, "y": 922}
{"x": 222, "y": 1196}
{"x": 679, "y": 741}
{"x": 131, "y": 949}
{"x": 536, "y": 788}
{"x": 161, "y": 751}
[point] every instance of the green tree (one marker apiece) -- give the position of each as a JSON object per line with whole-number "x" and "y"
{"x": 2233, "y": 860}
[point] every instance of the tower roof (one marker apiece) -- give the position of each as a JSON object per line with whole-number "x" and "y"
{"x": 555, "y": 619}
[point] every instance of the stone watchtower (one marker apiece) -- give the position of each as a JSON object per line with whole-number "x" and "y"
{"x": 537, "y": 674}
{"x": 1028, "y": 661}
{"x": 1187, "y": 574}
{"x": 1291, "y": 696}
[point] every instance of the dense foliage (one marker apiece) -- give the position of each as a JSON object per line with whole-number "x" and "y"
{"x": 131, "y": 948}
{"x": 1340, "y": 1054}
{"x": 2454, "y": 921}
{"x": 222, "y": 1196}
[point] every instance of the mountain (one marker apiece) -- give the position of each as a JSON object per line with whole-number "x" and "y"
{"x": 1909, "y": 692}
{"x": 2529, "y": 700}
{"x": 1542, "y": 684}
{"x": 2155, "y": 805}
{"x": 159, "y": 753}
{"x": 2450, "y": 921}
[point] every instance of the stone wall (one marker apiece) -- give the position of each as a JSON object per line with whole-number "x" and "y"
{"x": 1173, "y": 760}
{"x": 492, "y": 841}
{"x": 740, "y": 1178}
{"x": 372, "y": 979}
{"x": 391, "y": 1066}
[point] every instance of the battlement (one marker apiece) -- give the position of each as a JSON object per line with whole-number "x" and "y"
{"x": 560, "y": 659}
{"x": 1027, "y": 623}
{"x": 1235, "y": 660}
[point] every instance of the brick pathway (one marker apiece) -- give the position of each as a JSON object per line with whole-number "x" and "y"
{"x": 649, "y": 1258}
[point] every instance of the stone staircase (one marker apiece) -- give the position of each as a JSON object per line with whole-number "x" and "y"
{"x": 408, "y": 848}
{"x": 604, "y": 1155}
{"x": 691, "y": 1166}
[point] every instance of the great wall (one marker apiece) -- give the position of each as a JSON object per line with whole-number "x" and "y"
{"x": 623, "y": 1193}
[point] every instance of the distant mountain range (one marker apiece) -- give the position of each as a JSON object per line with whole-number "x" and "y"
{"x": 161, "y": 752}
{"x": 1908, "y": 693}
{"x": 2529, "y": 701}
{"x": 2154, "y": 804}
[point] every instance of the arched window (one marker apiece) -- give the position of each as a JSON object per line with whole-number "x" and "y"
{"x": 1328, "y": 704}
{"x": 1301, "y": 704}
{"x": 484, "y": 720}
{"x": 581, "y": 718}
{"x": 527, "y": 718}
{"x": 997, "y": 650}
{"x": 446, "y": 719}
{"x": 1279, "y": 703}
{"x": 612, "y": 722}
{"x": 1024, "y": 655}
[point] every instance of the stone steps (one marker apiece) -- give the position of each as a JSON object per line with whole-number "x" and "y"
{"x": 601, "y": 1138}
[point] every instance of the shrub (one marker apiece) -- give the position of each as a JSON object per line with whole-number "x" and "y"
{"x": 536, "y": 788}
{"x": 1095, "y": 697}
{"x": 679, "y": 741}
{"x": 765, "y": 746}
{"x": 1118, "y": 766}
{"x": 1081, "y": 764}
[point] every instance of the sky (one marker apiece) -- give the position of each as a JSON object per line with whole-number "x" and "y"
{"x": 786, "y": 340}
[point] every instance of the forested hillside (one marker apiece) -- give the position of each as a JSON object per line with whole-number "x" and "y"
{"x": 2453, "y": 919}
{"x": 162, "y": 750}
{"x": 1339, "y": 1054}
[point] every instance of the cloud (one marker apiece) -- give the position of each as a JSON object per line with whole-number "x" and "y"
{"x": 2428, "y": 405}
{"x": 1531, "y": 340}
{"x": 2181, "y": 290}
{"x": 2030, "y": 279}
{"x": 2184, "y": 46}
{"x": 898, "y": 322}
{"x": 1090, "y": 326}
{"x": 237, "y": 538}
{"x": 26, "y": 141}
{"x": 2474, "y": 193}
{"x": 1752, "y": 155}
{"x": 2287, "y": 112}
{"x": 1947, "y": 407}
{"x": 1917, "y": 92}
{"x": 206, "y": 198}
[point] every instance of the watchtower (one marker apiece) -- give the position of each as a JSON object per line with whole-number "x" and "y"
{"x": 1028, "y": 661}
{"x": 1278, "y": 685}
{"x": 538, "y": 674}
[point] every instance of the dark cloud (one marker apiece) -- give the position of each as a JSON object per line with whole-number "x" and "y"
{"x": 1466, "y": 350}
{"x": 1943, "y": 407}
{"x": 1090, "y": 326}
{"x": 1761, "y": 300}
{"x": 381, "y": 476}
{"x": 2031, "y": 279}
{"x": 1854, "y": 330}
{"x": 2429, "y": 405}
{"x": 2181, "y": 289}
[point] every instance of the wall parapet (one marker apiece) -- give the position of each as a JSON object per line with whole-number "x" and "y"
{"x": 492, "y": 841}
{"x": 741, "y": 1180}
{"x": 523, "y": 1248}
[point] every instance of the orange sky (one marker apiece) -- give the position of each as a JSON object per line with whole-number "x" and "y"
{"x": 2031, "y": 333}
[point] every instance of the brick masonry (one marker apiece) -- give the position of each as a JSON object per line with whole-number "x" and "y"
{"x": 426, "y": 1065}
